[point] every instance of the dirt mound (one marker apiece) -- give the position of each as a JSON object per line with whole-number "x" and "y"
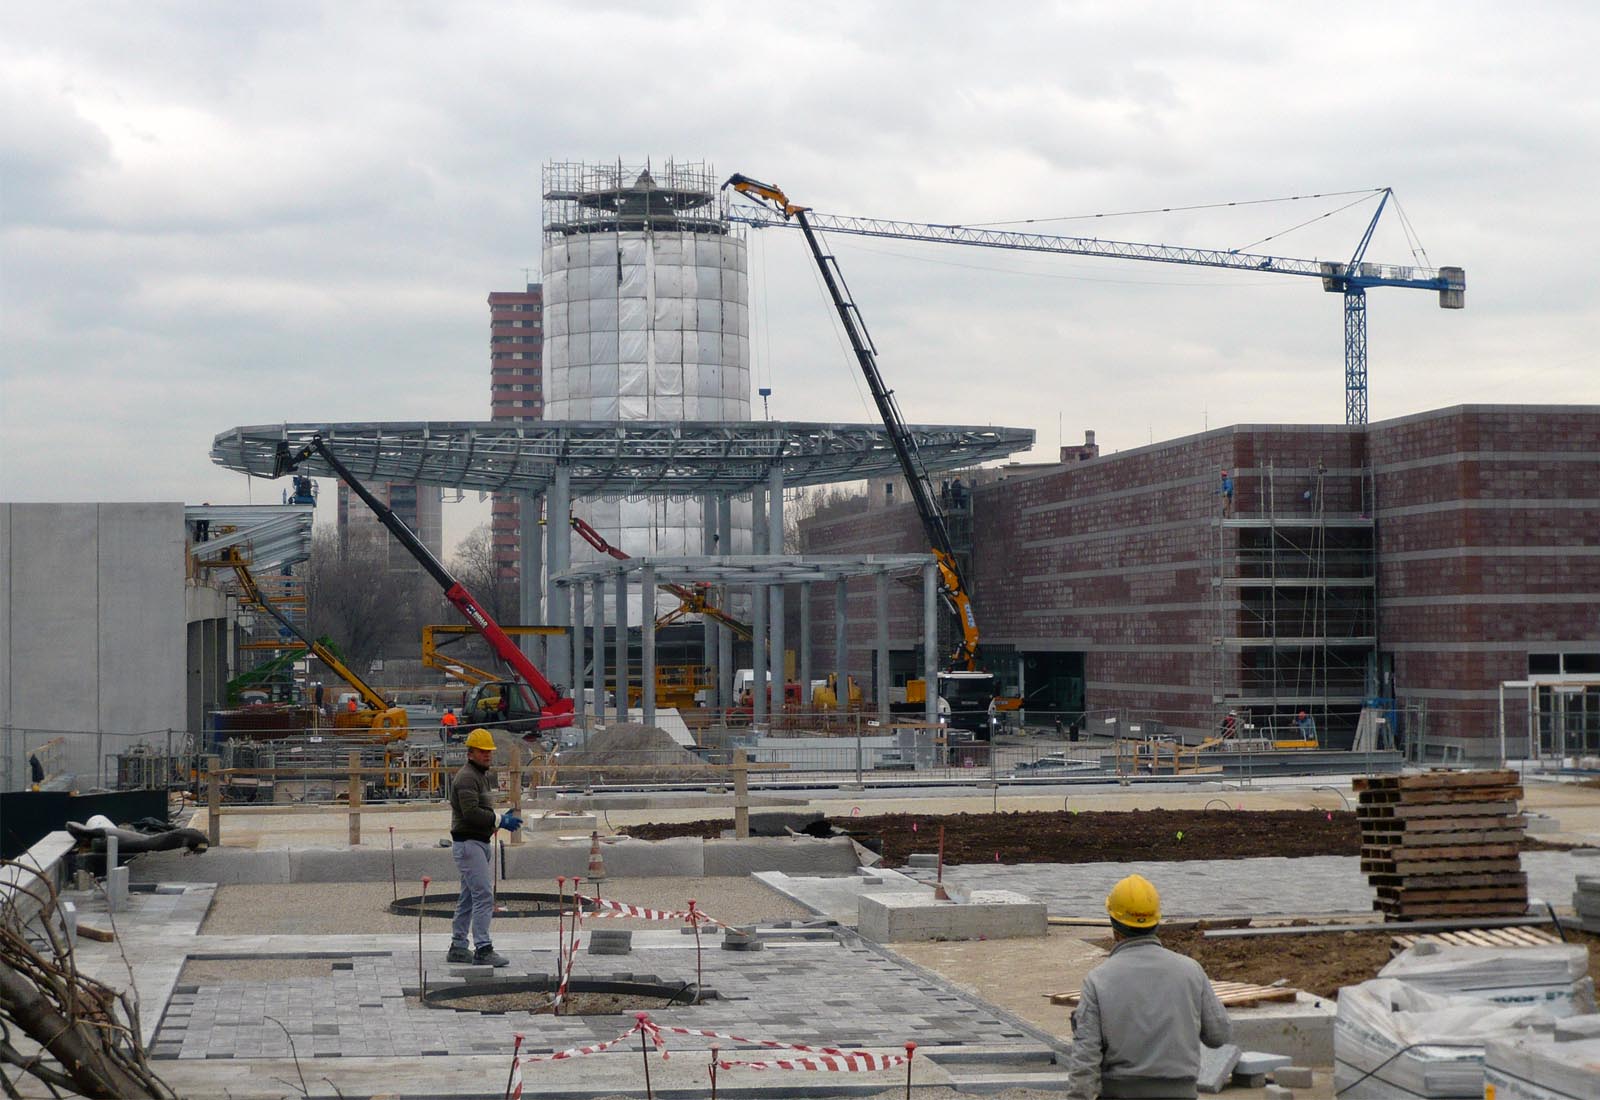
{"x": 632, "y": 752}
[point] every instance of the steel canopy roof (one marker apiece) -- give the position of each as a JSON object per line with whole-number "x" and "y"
{"x": 749, "y": 569}
{"x": 616, "y": 458}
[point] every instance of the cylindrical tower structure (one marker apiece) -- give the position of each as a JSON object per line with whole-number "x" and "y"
{"x": 646, "y": 317}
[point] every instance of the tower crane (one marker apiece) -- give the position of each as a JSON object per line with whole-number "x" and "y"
{"x": 1350, "y": 278}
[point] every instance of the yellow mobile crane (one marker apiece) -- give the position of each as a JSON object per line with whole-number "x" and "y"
{"x": 964, "y": 688}
{"x": 378, "y": 718}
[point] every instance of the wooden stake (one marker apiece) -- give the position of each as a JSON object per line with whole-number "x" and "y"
{"x": 421, "y": 909}
{"x": 644, "y": 1052}
{"x": 394, "y": 880}
{"x": 713, "y": 1073}
{"x": 699, "y": 980}
{"x": 512, "y": 1072}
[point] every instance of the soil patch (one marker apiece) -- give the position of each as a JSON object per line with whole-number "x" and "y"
{"x": 1062, "y": 836}
{"x": 1318, "y": 963}
{"x": 634, "y": 753}
{"x": 578, "y": 1004}
{"x": 1092, "y": 836}
{"x": 255, "y": 968}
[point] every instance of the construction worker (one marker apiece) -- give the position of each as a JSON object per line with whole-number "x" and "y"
{"x": 1225, "y": 491}
{"x": 1307, "y": 726}
{"x": 472, "y": 827}
{"x": 1143, "y": 1012}
{"x": 350, "y": 705}
{"x": 448, "y": 724}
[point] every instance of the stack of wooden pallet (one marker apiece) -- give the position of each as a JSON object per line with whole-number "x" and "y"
{"x": 1443, "y": 844}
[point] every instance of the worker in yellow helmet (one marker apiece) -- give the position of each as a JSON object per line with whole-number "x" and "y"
{"x": 1143, "y": 1012}
{"x": 472, "y": 826}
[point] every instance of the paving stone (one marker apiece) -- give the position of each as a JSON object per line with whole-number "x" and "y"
{"x": 1216, "y": 1066}
{"x": 1294, "y": 1077}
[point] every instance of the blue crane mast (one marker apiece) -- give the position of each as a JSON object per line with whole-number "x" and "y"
{"x": 1350, "y": 278}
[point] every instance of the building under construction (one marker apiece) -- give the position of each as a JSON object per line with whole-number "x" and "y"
{"x": 1413, "y": 567}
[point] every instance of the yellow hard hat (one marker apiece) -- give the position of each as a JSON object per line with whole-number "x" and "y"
{"x": 480, "y": 739}
{"x": 1134, "y": 902}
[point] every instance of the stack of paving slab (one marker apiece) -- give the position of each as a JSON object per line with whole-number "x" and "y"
{"x": 1443, "y": 844}
{"x": 1564, "y": 1065}
{"x": 1586, "y": 900}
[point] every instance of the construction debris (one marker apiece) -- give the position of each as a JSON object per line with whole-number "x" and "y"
{"x": 1443, "y": 844}
{"x": 632, "y": 752}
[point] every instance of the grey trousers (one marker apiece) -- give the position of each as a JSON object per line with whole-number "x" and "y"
{"x": 476, "y": 904}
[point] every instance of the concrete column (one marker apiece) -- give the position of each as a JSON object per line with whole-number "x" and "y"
{"x": 708, "y": 644}
{"x": 597, "y": 627}
{"x": 882, "y": 585}
{"x": 558, "y": 534}
{"x": 758, "y": 526}
{"x": 579, "y": 702}
{"x": 530, "y": 573}
{"x": 725, "y": 598}
{"x": 930, "y": 642}
{"x": 621, "y": 675}
{"x": 647, "y": 649}
{"x": 841, "y": 639}
{"x": 758, "y": 655}
{"x": 804, "y": 661}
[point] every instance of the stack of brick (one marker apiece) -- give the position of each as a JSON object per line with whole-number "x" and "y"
{"x": 1443, "y": 844}
{"x": 1586, "y": 900}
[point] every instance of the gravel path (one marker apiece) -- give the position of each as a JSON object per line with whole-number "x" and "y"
{"x": 318, "y": 909}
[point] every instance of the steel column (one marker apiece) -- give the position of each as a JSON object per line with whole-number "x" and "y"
{"x": 577, "y": 624}
{"x": 621, "y": 674}
{"x": 775, "y": 617}
{"x": 805, "y": 646}
{"x": 597, "y": 595}
{"x": 841, "y": 641}
{"x": 882, "y": 585}
{"x": 647, "y": 648}
{"x": 530, "y": 574}
{"x": 558, "y": 531}
{"x": 930, "y": 643}
{"x": 725, "y": 597}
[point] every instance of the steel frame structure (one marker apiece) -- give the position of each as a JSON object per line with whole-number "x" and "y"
{"x": 611, "y": 458}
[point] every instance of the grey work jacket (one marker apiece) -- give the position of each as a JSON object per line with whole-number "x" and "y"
{"x": 472, "y": 803}
{"x": 1139, "y": 1024}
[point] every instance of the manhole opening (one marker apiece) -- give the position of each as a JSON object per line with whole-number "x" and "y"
{"x": 585, "y": 996}
{"x": 512, "y": 904}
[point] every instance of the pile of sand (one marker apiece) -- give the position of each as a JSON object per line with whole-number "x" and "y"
{"x": 632, "y": 752}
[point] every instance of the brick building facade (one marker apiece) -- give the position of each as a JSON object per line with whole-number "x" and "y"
{"x": 1424, "y": 559}
{"x": 516, "y": 395}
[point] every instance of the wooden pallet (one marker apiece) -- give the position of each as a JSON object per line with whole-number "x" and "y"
{"x": 1436, "y": 780}
{"x": 1482, "y": 937}
{"x": 1232, "y": 994}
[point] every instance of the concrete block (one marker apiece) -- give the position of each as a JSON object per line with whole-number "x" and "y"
{"x": 1302, "y": 1029}
{"x": 779, "y": 822}
{"x": 117, "y": 889}
{"x": 567, "y": 824}
{"x": 370, "y": 865}
{"x": 222, "y": 865}
{"x": 1277, "y": 1092}
{"x": 1216, "y": 1067}
{"x": 795, "y": 855}
{"x": 69, "y": 921}
{"x": 1252, "y": 1062}
{"x": 894, "y": 917}
{"x": 612, "y": 941}
{"x": 922, "y": 859}
{"x": 1577, "y": 1027}
{"x": 1294, "y": 1077}
{"x": 740, "y": 939}
{"x": 1249, "y": 1080}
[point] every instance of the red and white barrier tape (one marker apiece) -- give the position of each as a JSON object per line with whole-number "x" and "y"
{"x": 860, "y": 1061}
{"x": 578, "y": 1052}
{"x": 620, "y": 910}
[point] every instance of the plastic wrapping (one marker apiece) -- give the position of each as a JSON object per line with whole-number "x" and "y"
{"x": 1393, "y": 1040}
{"x": 1554, "y": 978}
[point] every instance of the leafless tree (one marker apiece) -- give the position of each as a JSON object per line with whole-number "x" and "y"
{"x": 817, "y": 502}
{"x": 367, "y": 608}
{"x": 474, "y": 566}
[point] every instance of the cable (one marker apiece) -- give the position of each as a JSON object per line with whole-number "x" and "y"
{"x": 1396, "y": 1054}
{"x": 1172, "y": 209}
{"x": 1302, "y": 225}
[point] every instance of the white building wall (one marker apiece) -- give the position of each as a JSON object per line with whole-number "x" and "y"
{"x": 92, "y": 630}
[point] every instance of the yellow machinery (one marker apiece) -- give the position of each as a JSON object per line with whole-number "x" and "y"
{"x": 377, "y": 717}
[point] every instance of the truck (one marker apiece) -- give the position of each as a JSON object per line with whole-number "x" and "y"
{"x": 530, "y": 704}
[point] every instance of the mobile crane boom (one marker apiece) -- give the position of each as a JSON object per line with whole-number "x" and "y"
{"x": 389, "y": 723}
{"x": 692, "y": 600}
{"x": 555, "y": 710}
{"x": 952, "y": 586}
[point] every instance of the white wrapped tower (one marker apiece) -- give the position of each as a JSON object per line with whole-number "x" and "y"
{"x": 646, "y": 317}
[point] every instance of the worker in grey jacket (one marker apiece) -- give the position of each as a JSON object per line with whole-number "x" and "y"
{"x": 472, "y": 827}
{"x": 1143, "y": 1013}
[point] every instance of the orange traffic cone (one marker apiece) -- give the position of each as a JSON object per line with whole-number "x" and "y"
{"x": 597, "y": 862}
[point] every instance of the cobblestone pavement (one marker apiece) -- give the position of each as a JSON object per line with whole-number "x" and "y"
{"x": 1315, "y": 885}
{"x": 817, "y": 992}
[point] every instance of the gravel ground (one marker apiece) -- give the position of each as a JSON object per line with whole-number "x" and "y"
{"x": 320, "y": 909}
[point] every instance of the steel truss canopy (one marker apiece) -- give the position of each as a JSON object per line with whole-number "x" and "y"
{"x": 615, "y": 458}
{"x": 747, "y": 569}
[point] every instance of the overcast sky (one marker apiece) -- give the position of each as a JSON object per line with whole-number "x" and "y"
{"x": 219, "y": 214}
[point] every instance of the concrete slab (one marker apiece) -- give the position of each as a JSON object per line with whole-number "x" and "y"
{"x": 1216, "y": 1067}
{"x": 1301, "y": 1031}
{"x": 986, "y": 914}
{"x": 838, "y": 897}
{"x": 217, "y": 865}
{"x": 795, "y": 855}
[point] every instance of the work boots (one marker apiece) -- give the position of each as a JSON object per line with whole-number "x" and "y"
{"x": 458, "y": 953}
{"x": 487, "y": 956}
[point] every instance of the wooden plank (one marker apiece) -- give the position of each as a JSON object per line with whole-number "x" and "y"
{"x": 1443, "y": 779}
{"x": 1445, "y": 882}
{"x": 1442, "y": 824}
{"x": 1458, "y": 795}
{"x": 1455, "y": 866}
{"x": 1445, "y": 909}
{"x": 1411, "y": 810}
{"x": 1475, "y": 838}
{"x": 1363, "y": 783}
{"x": 1468, "y": 893}
{"x": 1458, "y": 851}
{"x": 1232, "y": 994}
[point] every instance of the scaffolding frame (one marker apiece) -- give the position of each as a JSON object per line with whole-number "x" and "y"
{"x": 1294, "y": 597}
